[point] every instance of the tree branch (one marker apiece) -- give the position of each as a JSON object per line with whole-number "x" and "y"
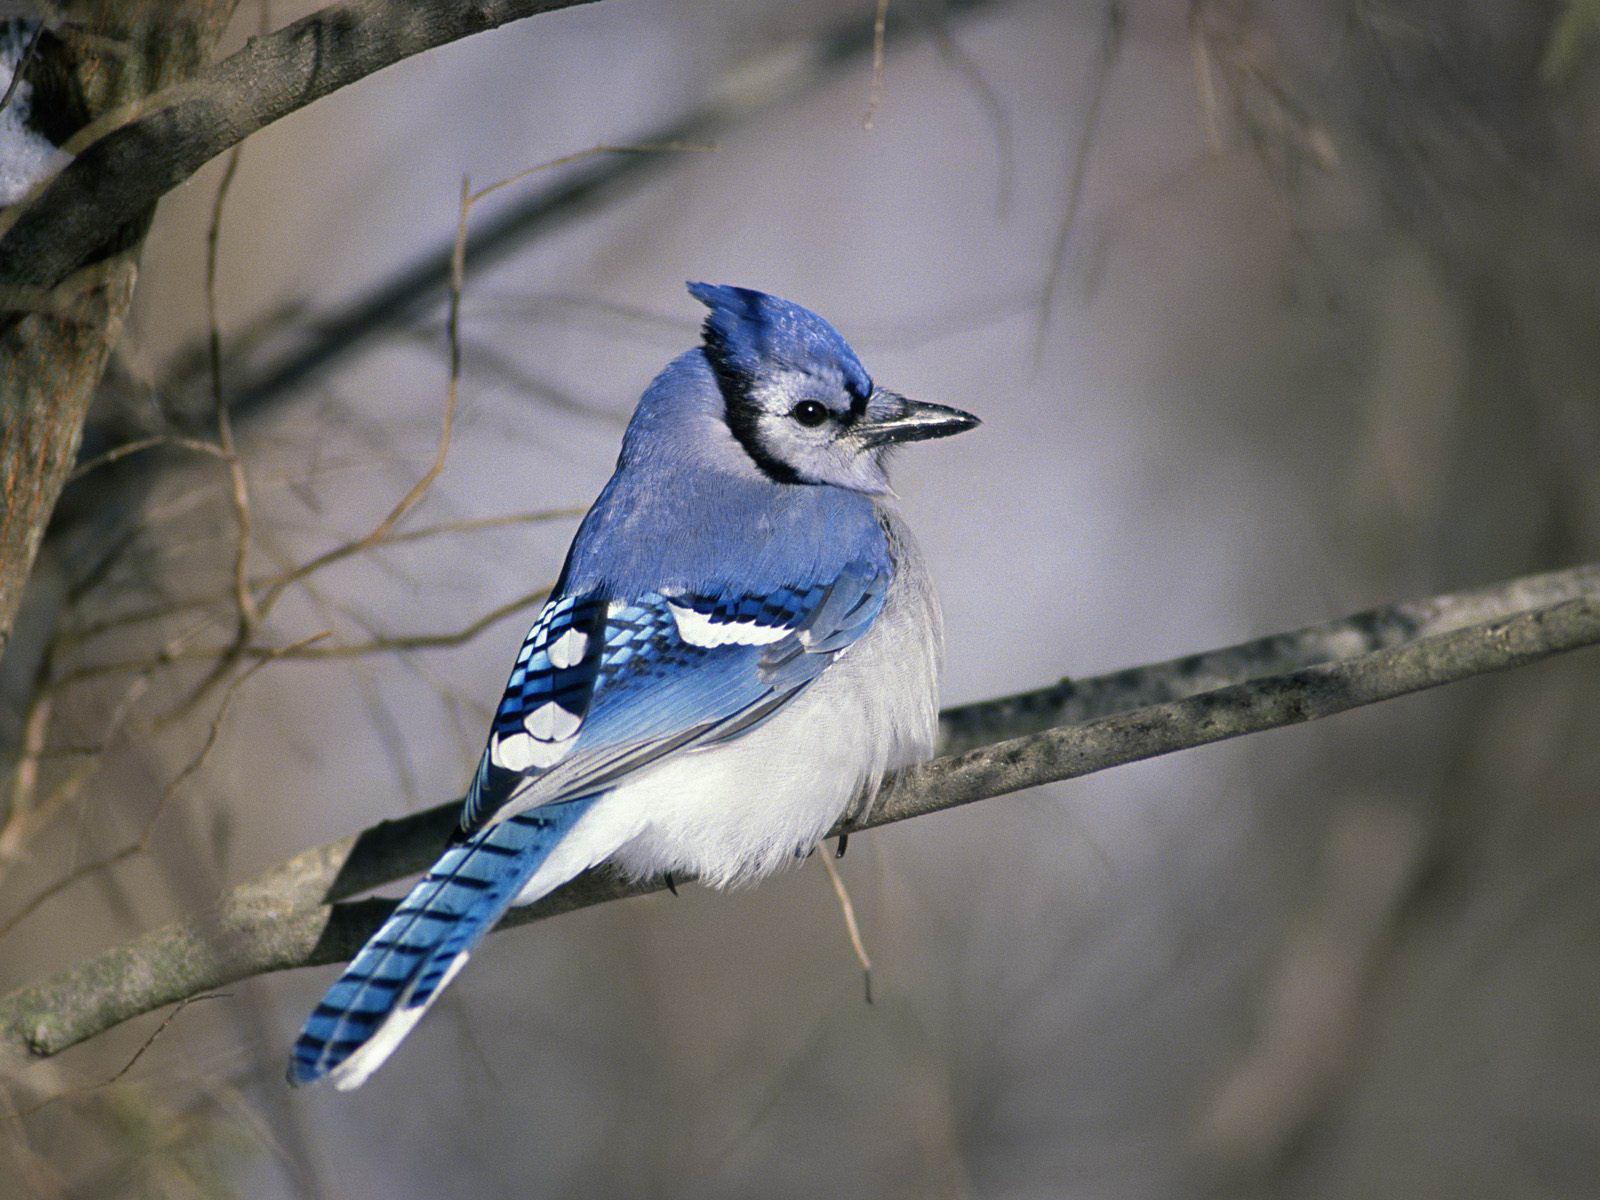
{"x": 168, "y": 137}
{"x": 54, "y": 342}
{"x": 300, "y": 912}
{"x": 1076, "y": 700}
{"x": 767, "y": 80}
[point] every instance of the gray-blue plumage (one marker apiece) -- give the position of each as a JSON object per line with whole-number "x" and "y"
{"x": 742, "y": 642}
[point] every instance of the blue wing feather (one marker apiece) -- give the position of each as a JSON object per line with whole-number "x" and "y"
{"x": 444, "y": 916}
{"x": 642, "y": 690}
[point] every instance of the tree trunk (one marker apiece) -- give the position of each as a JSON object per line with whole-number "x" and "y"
{"x": 54, "y": 344}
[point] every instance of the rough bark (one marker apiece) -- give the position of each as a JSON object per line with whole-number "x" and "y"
{"x": 57, "y": 333}
{"x": 300, "y": 913}
{"x": 167, "y": 138}
{"x": 131, "y": 95}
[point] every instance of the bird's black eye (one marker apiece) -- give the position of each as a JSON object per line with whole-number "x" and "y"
{"x": 809, "y": 413}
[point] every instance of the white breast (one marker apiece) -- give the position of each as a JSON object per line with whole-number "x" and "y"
{"x": 737, "y": 810}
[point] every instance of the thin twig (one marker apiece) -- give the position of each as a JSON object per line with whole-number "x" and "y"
{"x": 880, "y": 29}
{"x": 121, "y": 621}
{"x": 1205, "y": 85}
{"x": 21, "y": 828}
{"x": 1106, "y": 60}
{"x": 22, "y": 65}
{"x": 249, "y": 615}
{"x": 458, "y": 268}
{"x": 848, "y": 911}
{"x": 427, "y": 641}
{"x": 25, "y": 776}
{"x": 90, "y": 1089}
{"x": 671, "y": 146}
{"x": 277, "y": 584}
{"x": 139, "y": 445}
{"x": 383, "y": 645}
{"x": 142, "y": 843}
{"x": 476, "y": 524}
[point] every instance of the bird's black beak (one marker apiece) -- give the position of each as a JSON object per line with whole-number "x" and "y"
{"x": 892, "y": 418}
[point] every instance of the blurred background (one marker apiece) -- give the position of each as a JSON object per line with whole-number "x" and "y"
{"x": 1272, "y": 312}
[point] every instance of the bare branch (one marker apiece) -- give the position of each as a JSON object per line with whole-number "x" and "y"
{"x": 142, "y": 843}
{"x": 880, "y": 23}
{"x": 1110, "y": 50}
{"x": 138, "y": 446}
{"x": 458, "y": 269}
{"x": 244, "y": 599}
{"x": 459, "y": 254}
{"x": 393, "y": 643}
{"x": 300, "y": 913}
{"x": 1078, "y": 700}
{"x": 78, "y": 1093}
{"x": 387, "y": 644}
{"x": 157, "y": 143}
{"x": 27, "y": 817}
{"x": 847, "y": 910}
{"x": 773, "y": 79}
{"x": 88, "y": 630}
{"x": 25, "y": 777}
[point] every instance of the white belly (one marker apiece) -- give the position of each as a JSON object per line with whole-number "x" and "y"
{"x": 732, "y": 812}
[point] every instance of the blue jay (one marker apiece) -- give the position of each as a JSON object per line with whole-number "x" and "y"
{"x": 742, "y": 642}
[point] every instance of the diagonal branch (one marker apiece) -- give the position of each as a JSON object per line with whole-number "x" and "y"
{"x": 166, "y": 138}
{"x": 300, "y": 912}
{"x": 1074, "y": 701}
{"x": 768, "y": 80}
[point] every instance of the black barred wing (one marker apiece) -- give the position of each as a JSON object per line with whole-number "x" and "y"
{"x": 604, "y": 687}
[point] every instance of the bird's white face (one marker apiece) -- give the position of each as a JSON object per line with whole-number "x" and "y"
{"x": 798, "y": 400}
{"x": 801, "y": 428}
{"x": 805, "y": 428}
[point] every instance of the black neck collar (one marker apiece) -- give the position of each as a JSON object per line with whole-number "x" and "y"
{"x": 740, "y": 413}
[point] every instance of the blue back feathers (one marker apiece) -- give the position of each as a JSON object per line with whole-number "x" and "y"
{"x": 685, "y": 509}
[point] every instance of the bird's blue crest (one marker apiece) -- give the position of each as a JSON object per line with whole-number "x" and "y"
{"x": 749, "y": 333}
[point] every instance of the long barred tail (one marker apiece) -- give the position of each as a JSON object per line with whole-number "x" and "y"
{"x": 409, "y": 961}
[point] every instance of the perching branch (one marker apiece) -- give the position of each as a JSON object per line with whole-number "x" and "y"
{"x": 1074, "y": 701}
{"x": 300, "y": 912}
